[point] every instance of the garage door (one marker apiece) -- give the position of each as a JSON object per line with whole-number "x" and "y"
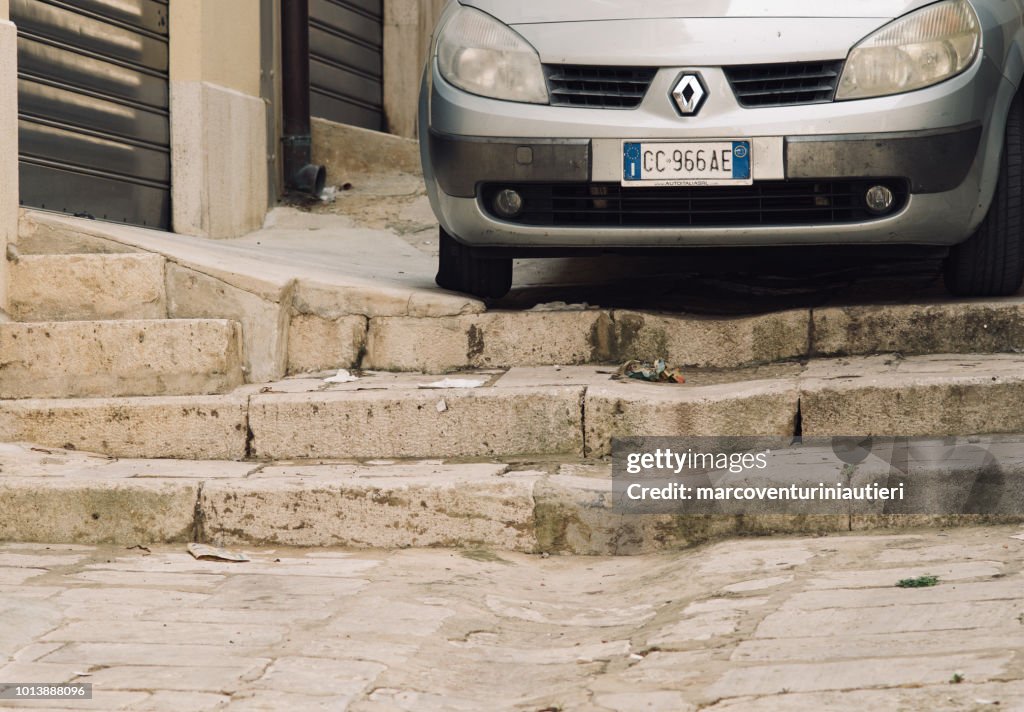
{"x": 346, "y": 64}
{"x": 93, "y": 108}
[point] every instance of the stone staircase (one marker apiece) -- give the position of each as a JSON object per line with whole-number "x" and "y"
{"x": 92, "y": 363}
{"x": 96, "y": 325}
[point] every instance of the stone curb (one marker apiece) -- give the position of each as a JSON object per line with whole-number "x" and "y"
{"x": 470, "y": 506}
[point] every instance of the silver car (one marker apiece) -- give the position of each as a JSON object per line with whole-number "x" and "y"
{"x": 555, "y": 126}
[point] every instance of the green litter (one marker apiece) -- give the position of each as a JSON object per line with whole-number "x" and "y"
{"x": 657, "y": 372}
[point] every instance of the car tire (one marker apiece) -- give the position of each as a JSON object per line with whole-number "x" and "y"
{"x": 991, "y": 262}
{"x": 470, "y": 270}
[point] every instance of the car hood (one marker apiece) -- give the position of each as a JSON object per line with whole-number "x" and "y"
{"x": 517, "y": 12}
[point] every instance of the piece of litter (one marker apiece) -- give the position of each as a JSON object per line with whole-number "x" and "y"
{"x": 559, "y": 307}
{"x": 140, "y": 547}
{"x": 441, "y": 406}
{"x": 81, "y": 674}
{"x": 329, "y": 195}
{"x": 657, "y": 372}
{"x": 342, "y": 377}
{"x": 455, "y": 383}
{"x": 213, "y": 553}
{"x": 1018, "y": 536}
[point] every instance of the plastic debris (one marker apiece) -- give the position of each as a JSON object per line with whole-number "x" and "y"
{"x": 441, "y": 406}
{"x": 205, "y": 552}
{"x": 342, "y": 377}
{"x": 455, "y": 383}
{"x": 560, "y": 307}
{"x": 329, "y": 195}
{"x": 657, "y": 372}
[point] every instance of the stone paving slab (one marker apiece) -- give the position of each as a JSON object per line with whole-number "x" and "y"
{"x": 442, "y": 629}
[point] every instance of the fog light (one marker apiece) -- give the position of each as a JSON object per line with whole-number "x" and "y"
{"x": 508, "y": 203}
{"x": 880, "y": 199}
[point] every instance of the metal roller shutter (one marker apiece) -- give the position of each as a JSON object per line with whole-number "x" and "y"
{"x": 346, "y": 63}
{"x": 94, "y": 132}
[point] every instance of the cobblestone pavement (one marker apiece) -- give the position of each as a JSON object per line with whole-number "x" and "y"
{"x": 750, "y": 625}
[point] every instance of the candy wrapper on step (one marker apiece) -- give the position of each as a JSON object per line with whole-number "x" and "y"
{"x": 657, "y": 372}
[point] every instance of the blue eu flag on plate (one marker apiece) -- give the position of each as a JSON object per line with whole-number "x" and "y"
{"x": 633, "y": 169}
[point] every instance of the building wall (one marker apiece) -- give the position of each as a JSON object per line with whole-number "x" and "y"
{"x": 219, "y": 127}
{"x": 408, "y": 25}
{"x": 8, "y": 143}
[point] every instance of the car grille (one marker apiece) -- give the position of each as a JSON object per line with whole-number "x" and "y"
{"x": 598, "y": 87}
{"x": 761, "y": 85}
{"x": 767, "y": 203}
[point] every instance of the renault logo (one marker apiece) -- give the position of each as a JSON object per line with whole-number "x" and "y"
{"x": 689, "y": 94}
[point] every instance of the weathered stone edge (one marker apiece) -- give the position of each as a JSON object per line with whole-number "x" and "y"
{"x": 559, "y": 518}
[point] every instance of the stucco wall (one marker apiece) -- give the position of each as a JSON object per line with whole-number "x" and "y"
{"x": 216, "y": 42}
{"x": 408, "y": 25}
{"x": 219, "y": 134}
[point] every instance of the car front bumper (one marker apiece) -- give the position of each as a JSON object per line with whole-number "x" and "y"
{"x": 945, "y": 142}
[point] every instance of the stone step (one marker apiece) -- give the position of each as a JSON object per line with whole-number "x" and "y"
{"x": 574, "y": 411}
{"x": 88, "y": 287}
{"x": 65, "y": 497}
{"x": 566, "y": 336}
{"x": 298, "y": 319}
{"x": 181, "y": 427}
{"x": 84, "y": 359}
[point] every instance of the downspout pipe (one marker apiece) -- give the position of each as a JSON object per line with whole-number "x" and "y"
{"x": 300, "y": 173}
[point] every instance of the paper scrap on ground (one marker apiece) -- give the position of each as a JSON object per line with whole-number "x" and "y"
{"x": 455, "y": 383}
{"x": 342, "y": 377}
{"x": 441, "y": 406}
{"x": 213, "y": 553}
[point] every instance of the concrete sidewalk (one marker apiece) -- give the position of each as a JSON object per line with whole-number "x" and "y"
{"x": 752, "y": 626}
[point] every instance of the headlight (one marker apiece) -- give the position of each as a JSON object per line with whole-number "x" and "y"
{"x": 480, "y": 55}
{"x": 916, "y": 51}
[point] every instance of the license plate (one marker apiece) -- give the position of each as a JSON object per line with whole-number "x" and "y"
{"x": 686, "y": 163}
